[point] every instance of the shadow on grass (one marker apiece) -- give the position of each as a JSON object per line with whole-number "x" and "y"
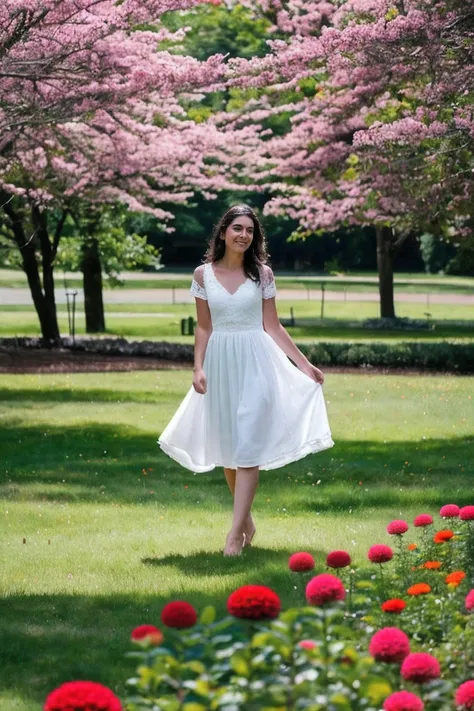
{"x": 120, "y": 464}
{"x": 50, "y": 639}
{"x": 215, "y": 564}
{"x": 65, "y": 395}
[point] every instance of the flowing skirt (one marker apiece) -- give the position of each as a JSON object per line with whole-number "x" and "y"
{"x": 259, "y": 409}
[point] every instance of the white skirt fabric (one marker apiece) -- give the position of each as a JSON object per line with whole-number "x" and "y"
{"x": 259, "y": 409}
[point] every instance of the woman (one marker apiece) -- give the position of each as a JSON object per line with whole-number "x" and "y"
{"x": 248, "y": 408}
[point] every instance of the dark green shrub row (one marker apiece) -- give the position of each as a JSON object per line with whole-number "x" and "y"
{"x": 439, "y": 355}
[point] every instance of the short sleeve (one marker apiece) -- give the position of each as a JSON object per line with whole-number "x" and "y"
{"x": 268, "y": 283}
{"x": 197, "y": 287}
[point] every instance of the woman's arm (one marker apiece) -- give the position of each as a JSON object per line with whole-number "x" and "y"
{"x": 201, "y": 337}
{"x": 282, "y": 338}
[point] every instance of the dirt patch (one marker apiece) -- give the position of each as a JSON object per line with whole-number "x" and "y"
{"x": 65, "y": 361}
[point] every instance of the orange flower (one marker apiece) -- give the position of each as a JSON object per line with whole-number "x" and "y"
{"x": 412, "y": 546}
{"x": 419, "y": 589}
{"x": 431, "y": 565}
{"x": 455, "y": 578}
{"x": 443, "y": 536}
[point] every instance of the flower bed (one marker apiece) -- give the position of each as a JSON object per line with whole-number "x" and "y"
{"x": 398, "y": 637}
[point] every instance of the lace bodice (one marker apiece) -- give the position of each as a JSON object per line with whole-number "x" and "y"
{"x": 240, "y": 311}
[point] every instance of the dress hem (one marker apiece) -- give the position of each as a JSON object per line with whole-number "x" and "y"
{"x": 311, "y": 447}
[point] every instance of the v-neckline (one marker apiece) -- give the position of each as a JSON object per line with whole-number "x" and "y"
{"x": 222, "y": 285}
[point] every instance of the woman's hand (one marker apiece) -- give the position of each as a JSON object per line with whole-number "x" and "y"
{"x": 312, "y": 372}
{"x": 200, "y": 381}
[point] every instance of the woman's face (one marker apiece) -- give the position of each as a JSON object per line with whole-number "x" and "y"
{"x": 239, "y": 234}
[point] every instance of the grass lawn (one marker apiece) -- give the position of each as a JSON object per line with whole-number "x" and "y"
{"x": 413, "y": 283}
{"x": 100, "y": 529}
{"x": 162, "y": 321}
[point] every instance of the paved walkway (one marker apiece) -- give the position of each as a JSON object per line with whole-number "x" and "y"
{"x": 22, "y": 296}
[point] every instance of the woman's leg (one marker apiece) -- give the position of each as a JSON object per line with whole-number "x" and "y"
{"x": 249, "y": 527}
{"x": 246, "y": 482}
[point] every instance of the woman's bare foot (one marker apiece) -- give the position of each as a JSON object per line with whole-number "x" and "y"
{"x": 249, "y": 530}
{"x": 233, "y": 544}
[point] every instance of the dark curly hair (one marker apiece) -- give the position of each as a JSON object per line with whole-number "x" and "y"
{"x": 255, "y": 256}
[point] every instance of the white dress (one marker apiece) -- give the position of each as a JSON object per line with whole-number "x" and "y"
{"x": 259, "y": 408}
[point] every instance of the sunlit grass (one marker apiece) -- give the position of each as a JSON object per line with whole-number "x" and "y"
{"x": 100, "y": 528}
{"x": 341, "y": 320}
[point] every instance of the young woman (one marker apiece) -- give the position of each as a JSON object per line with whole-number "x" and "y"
{"x": 249, "y": 407}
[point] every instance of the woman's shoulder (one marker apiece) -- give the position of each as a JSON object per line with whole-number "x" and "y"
{"x": 198, "y": 274}
{"x": 266, "y": 273}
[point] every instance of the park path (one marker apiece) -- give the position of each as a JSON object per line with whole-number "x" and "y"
{"x": 22, "y": 296}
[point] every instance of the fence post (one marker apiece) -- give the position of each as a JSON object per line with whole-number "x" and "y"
{"x": 322, "y": 300}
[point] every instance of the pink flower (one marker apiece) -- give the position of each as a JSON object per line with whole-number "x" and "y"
{"x": 403, "y": 701}
{"x": 338, "y": 559}
{"x": 449, "y": 511}
{"x": 423, "y": 520}
{"x": 380, "y": 553}
{"x": 389, "y": 645}
{"x": 324, "y": 588}
{"x": 465, "y": 695}
{"x": 300, "y": 562}
{"x": 307, "y": 644}
{"x": 469, "y": 601}
{"x": 467, "y": 513}
{"x": 420, "y": 667}
{"x": 397, "y": 527}
{"x": 146, "y": 635}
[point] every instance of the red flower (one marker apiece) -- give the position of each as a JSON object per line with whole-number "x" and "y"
{"x": 443, "y": 536}
{"x": 467, "y": 513}
{"x": 420, "y": 667}
{"x": 254, "y": 602}
{"x": 412, "y": 546}
{"x": 423, "y": 520}
{"x": 179, "y": 614}
{"x": 419, "y": 589}
{"x": 465, "y": 695}
{"x": 455, "y": 578}
{"x": 324, "y": 588}
{"x": 395, "y": 605}
{"x": 469, "y": 601}
{"x": 82, "y": 696}
{"x": 338, "y": 559}
{"x": 380, "y": 553}
{"x": 307, "y": 644}
{"x": 299, "y": 562}
{"x": 389, "y": 645}
{"x": 147, "y": 635}
{"x": 431, "y": 565}
{"x": 397, "y": 527}
{"x": 449, "y": 511}
{"x": 403, "y": 701}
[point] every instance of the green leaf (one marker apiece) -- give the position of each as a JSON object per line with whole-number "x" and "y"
{"x": 208, "y": 615}
{"x": 240, "y": 665}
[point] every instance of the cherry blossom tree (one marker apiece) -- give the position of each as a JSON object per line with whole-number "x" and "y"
{"x": 90, "y": 111}
{"x": 378, "y": 99}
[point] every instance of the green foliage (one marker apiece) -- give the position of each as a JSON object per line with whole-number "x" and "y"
{"x": 218, "y": 29}
{"x": 435, "y": 252}
{"x": 261, "y": 664}
{"x": 442, "y": 356}
{"x": 120, "y": 248}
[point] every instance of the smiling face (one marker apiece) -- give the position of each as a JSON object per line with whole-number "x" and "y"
{"x": 239, "y": 234}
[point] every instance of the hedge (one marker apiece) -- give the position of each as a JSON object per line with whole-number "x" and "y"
{"x": 439, "y": 355}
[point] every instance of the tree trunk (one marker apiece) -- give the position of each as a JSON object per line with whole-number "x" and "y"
{"x": 45, "y": 303}
{"x": 385, "y": 269}
{"x": 92, "y": 282}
